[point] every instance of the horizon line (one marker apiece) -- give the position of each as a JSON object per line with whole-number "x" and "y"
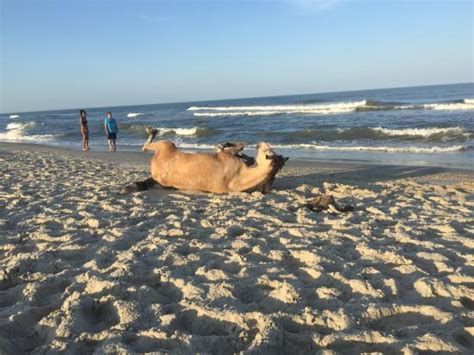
{"x": 238, "y": 98}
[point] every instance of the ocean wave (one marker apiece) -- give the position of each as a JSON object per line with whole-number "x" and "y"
{"x": 423, "y": 132}
{"x": 193, "y": 131}
{"x": 465, "y": 104}
{"x": 318, "y": 147}
{"x": 14, "y": 116}
{"x": 324, "y": 109}
{"x": 283, "y": 108}
{"x": 240, "y": 113}
{"x": 134, "y": 114}
{"x": 17, "y": 131}
{"x": 20, "y": 125}
{"x": 162, "y": 131}
{"x": 194, "y": 145}
{"x": 372, "y": 134}
{"x": 381, "y": 149}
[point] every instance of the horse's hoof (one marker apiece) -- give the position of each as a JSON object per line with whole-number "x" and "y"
{"x": 151, "y": 131}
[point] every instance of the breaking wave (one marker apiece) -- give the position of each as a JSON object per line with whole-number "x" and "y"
{"x": 17, "y": 131}
{"x": 371, "y": 133}
{"x": 419, "y": 132}
{"x": 194, "y": 145}
{"x": 162, "y": 131}
{"x": 324, "y": 109}
{"x": 193, "y": 131}
{"x": 14, "y": 116}
{"x": 134, "y": 114}
{"x": 466, "y": 104}
{"x": 20, "y": 125}
{"x": 243, "y": 113}
{"x": 382, "y": 149}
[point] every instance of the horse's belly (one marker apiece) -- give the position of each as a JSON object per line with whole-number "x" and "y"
{"x": 191, "y": 177}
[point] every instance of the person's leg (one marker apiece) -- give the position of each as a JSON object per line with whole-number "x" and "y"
{"x": 110, "y": 144}
{"x": 114, "y": 145}
{"x": 86, "y": 142}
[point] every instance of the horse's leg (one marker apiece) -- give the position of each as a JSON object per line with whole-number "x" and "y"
{"x": 152, "y": 132}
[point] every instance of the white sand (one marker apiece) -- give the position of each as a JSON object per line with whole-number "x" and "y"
{"x": 84, "y": 269}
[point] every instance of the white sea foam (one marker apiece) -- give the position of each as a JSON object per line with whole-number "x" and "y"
{"x": 134, "y": 114}
{"x": 382, "y": 149}
{"x": 17, "y": 131}
{"x": 14, "y": 116}
{"x": 241, "y": 113}
{"x": 194, "y": 146}
{"x": 467, "y": 104}
{"x": 179, "y": 131}
{"x": 321, "y": 109}
{"x": 20, "y": 125}
{"x": 421, "y": 132}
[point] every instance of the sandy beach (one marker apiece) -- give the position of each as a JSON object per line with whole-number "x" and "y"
{"x": 85, "y": 269}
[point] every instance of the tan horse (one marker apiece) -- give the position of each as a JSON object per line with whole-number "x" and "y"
{"x": 223, "y": 171}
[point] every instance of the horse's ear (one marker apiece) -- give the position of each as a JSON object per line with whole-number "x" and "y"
{"x": 286, "y": 158}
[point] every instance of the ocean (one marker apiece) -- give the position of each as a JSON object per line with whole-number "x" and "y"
{"x": 429, "y": 125}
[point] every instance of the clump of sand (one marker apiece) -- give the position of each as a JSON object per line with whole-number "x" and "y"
{"x": 85, "y": 269}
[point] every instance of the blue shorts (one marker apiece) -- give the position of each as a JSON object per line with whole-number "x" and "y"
{"x": 112, "y": 136}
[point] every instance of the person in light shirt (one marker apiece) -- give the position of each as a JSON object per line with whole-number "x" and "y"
{"x": 111, "y": 130}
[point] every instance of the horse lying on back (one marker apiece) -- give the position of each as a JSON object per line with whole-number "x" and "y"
{"x": 227, "y": 170}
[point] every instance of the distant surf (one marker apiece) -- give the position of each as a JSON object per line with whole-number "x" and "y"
{"x": 322, "y": 109}
{"x": 18, "y": 131}
{"x": 14, "y": 116}
{"x": 192, "y": 131}
{"x": 134, "y": 114}
{"x": 139, "y": 130}
{"x": 466, "y": 104}
{"x": 315, "y": 146}
{"x": 325, "y": 109}
{"x": 381, "y": 149}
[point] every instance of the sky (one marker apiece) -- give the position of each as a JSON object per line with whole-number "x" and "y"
{"x": 59, "y": 54}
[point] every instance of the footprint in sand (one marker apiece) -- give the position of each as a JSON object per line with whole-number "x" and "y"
{"x": 95, "y": 316}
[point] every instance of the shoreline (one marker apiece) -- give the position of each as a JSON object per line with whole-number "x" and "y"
{"x": 140, "y": 158}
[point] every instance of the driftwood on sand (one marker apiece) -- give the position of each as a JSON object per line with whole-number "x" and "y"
{"x": 329, "y": 203}
{"x": 226, "y": 170}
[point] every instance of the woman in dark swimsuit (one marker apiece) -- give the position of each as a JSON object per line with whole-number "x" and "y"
{"x": 84, "y": 130}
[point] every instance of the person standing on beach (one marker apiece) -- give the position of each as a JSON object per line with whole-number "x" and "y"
{"x": 111, "y": 130}
{"x": 84, "y": 130}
